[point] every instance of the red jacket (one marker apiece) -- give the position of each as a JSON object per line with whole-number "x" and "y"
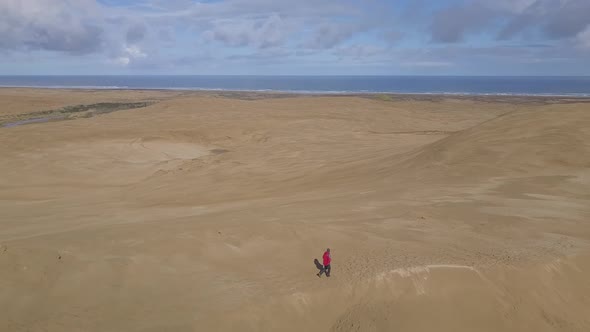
{"x": 327, "y": 258}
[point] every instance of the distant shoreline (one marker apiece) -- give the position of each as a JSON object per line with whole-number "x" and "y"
{"x": 319, "y": 85}
{"x": 416, "y": 95}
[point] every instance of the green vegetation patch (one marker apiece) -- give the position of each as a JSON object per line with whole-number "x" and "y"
{"x": 384, "y": 97}
{"x": 69, "y": 113}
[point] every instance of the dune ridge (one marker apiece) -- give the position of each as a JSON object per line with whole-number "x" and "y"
{"x": 205, "y": 212}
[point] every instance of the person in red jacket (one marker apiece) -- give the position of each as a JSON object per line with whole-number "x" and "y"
{"x": 327, "y": 261}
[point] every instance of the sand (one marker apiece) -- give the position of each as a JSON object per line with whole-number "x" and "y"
{"x": 205, "y": 212}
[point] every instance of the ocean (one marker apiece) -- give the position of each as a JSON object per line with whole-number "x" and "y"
{"x": 461, "y": 85}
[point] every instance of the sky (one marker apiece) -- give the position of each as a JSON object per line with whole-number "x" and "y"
{"x": 295, "y": 37}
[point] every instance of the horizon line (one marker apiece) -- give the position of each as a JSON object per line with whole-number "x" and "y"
{"x": 279, "y": 75}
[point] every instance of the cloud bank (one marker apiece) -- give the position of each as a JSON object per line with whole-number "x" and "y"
{"x": 286, "y": 37}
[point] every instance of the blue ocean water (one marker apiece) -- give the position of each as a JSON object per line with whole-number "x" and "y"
{"x": 477, "y": 85}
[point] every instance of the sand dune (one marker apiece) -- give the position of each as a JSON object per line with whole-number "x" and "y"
{"x": 521, "y": 142}
{"x": 205, "y": 212}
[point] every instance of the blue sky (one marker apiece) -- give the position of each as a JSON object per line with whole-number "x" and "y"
{"x": 303, "y": 37}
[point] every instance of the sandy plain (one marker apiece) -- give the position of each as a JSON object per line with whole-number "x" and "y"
{"x": 204, "y": 212}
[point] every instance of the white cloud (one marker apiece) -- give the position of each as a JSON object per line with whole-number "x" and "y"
{"x": 169, "y": 34}
{"x": 135, "y": 52}
{"x": 129, "y": 54}
{"x": 121, "y": 61}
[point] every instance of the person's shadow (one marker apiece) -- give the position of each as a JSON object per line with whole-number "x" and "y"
{"x": 319, "y": 266}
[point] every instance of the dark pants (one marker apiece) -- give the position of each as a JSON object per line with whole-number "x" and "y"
{"x": 326, "y": 270}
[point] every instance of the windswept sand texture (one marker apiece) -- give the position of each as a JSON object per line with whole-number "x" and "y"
{"x": 204, "y": 212}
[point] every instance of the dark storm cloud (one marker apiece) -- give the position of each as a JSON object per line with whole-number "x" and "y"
{"x": 551, "y": 19}
{"x": 554, "y": 18}
{"x": 48, "y": 25}
{"x": 329, "y": 35}
{"x": 451, "y": 24}
{"x": 260, "y": 33}
{"x": 136, "y": 33}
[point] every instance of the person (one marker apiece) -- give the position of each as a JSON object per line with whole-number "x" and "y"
{"x": 327, "y": 261}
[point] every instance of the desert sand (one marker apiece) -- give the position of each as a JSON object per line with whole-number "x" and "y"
{"x": 205, "y": 211}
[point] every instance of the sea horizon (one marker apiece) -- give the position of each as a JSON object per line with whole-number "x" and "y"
{"x": 569, "y": 86}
